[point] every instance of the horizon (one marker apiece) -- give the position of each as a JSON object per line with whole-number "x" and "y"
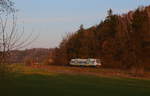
{"x": 53, "y": 19}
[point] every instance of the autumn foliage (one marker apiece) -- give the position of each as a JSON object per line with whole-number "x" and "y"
{"x": 120, "y": 41}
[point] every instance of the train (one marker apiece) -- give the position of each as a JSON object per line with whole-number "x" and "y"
{"x": 85, "y": 62}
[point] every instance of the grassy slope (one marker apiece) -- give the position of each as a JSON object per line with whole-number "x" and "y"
{"x": 37, "y": 82}
{"x": 73, "y": 85}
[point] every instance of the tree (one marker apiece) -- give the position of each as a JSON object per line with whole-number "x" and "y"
{"x": 6, "y": 8}
{"x": 10, "y": 37}
{"x": 120, "y": 40}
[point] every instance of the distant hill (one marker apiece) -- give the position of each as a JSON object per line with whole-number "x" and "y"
{"x": 38, "y": 55}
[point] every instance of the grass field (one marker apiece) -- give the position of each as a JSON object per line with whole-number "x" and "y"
{"x": 41, "y": 83}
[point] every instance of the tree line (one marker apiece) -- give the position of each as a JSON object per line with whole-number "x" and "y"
{"x": 31, "y": 56}
{"x": 120, "y": 41}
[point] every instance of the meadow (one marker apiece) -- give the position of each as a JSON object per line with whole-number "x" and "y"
{"x": 39, "y": 82}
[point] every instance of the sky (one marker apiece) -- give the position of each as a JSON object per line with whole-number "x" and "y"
{"x": 51, "y": 20}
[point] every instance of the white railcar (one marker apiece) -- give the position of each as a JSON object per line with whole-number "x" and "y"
{"x": 85, "y": 62}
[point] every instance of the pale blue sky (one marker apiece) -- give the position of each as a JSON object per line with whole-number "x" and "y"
{"x": 52, "y": 19}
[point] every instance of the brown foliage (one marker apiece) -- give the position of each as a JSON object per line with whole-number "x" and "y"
{"x": 121, "y": 41}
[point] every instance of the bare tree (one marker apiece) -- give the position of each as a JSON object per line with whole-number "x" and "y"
{"x": 10, "y": 37}
{"x": 6, "y": 8}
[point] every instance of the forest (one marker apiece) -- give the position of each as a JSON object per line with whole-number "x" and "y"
{"x": 120, "y": 41}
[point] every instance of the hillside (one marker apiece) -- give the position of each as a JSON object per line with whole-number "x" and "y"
{"x": 120, "y": 41}
{"x": 38, "y": 55}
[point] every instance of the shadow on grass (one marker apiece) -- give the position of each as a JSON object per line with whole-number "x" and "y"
{"x": 72, "y": 85}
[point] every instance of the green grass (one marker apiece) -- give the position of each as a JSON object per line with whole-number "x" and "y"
{"x": 73, "y": 85}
